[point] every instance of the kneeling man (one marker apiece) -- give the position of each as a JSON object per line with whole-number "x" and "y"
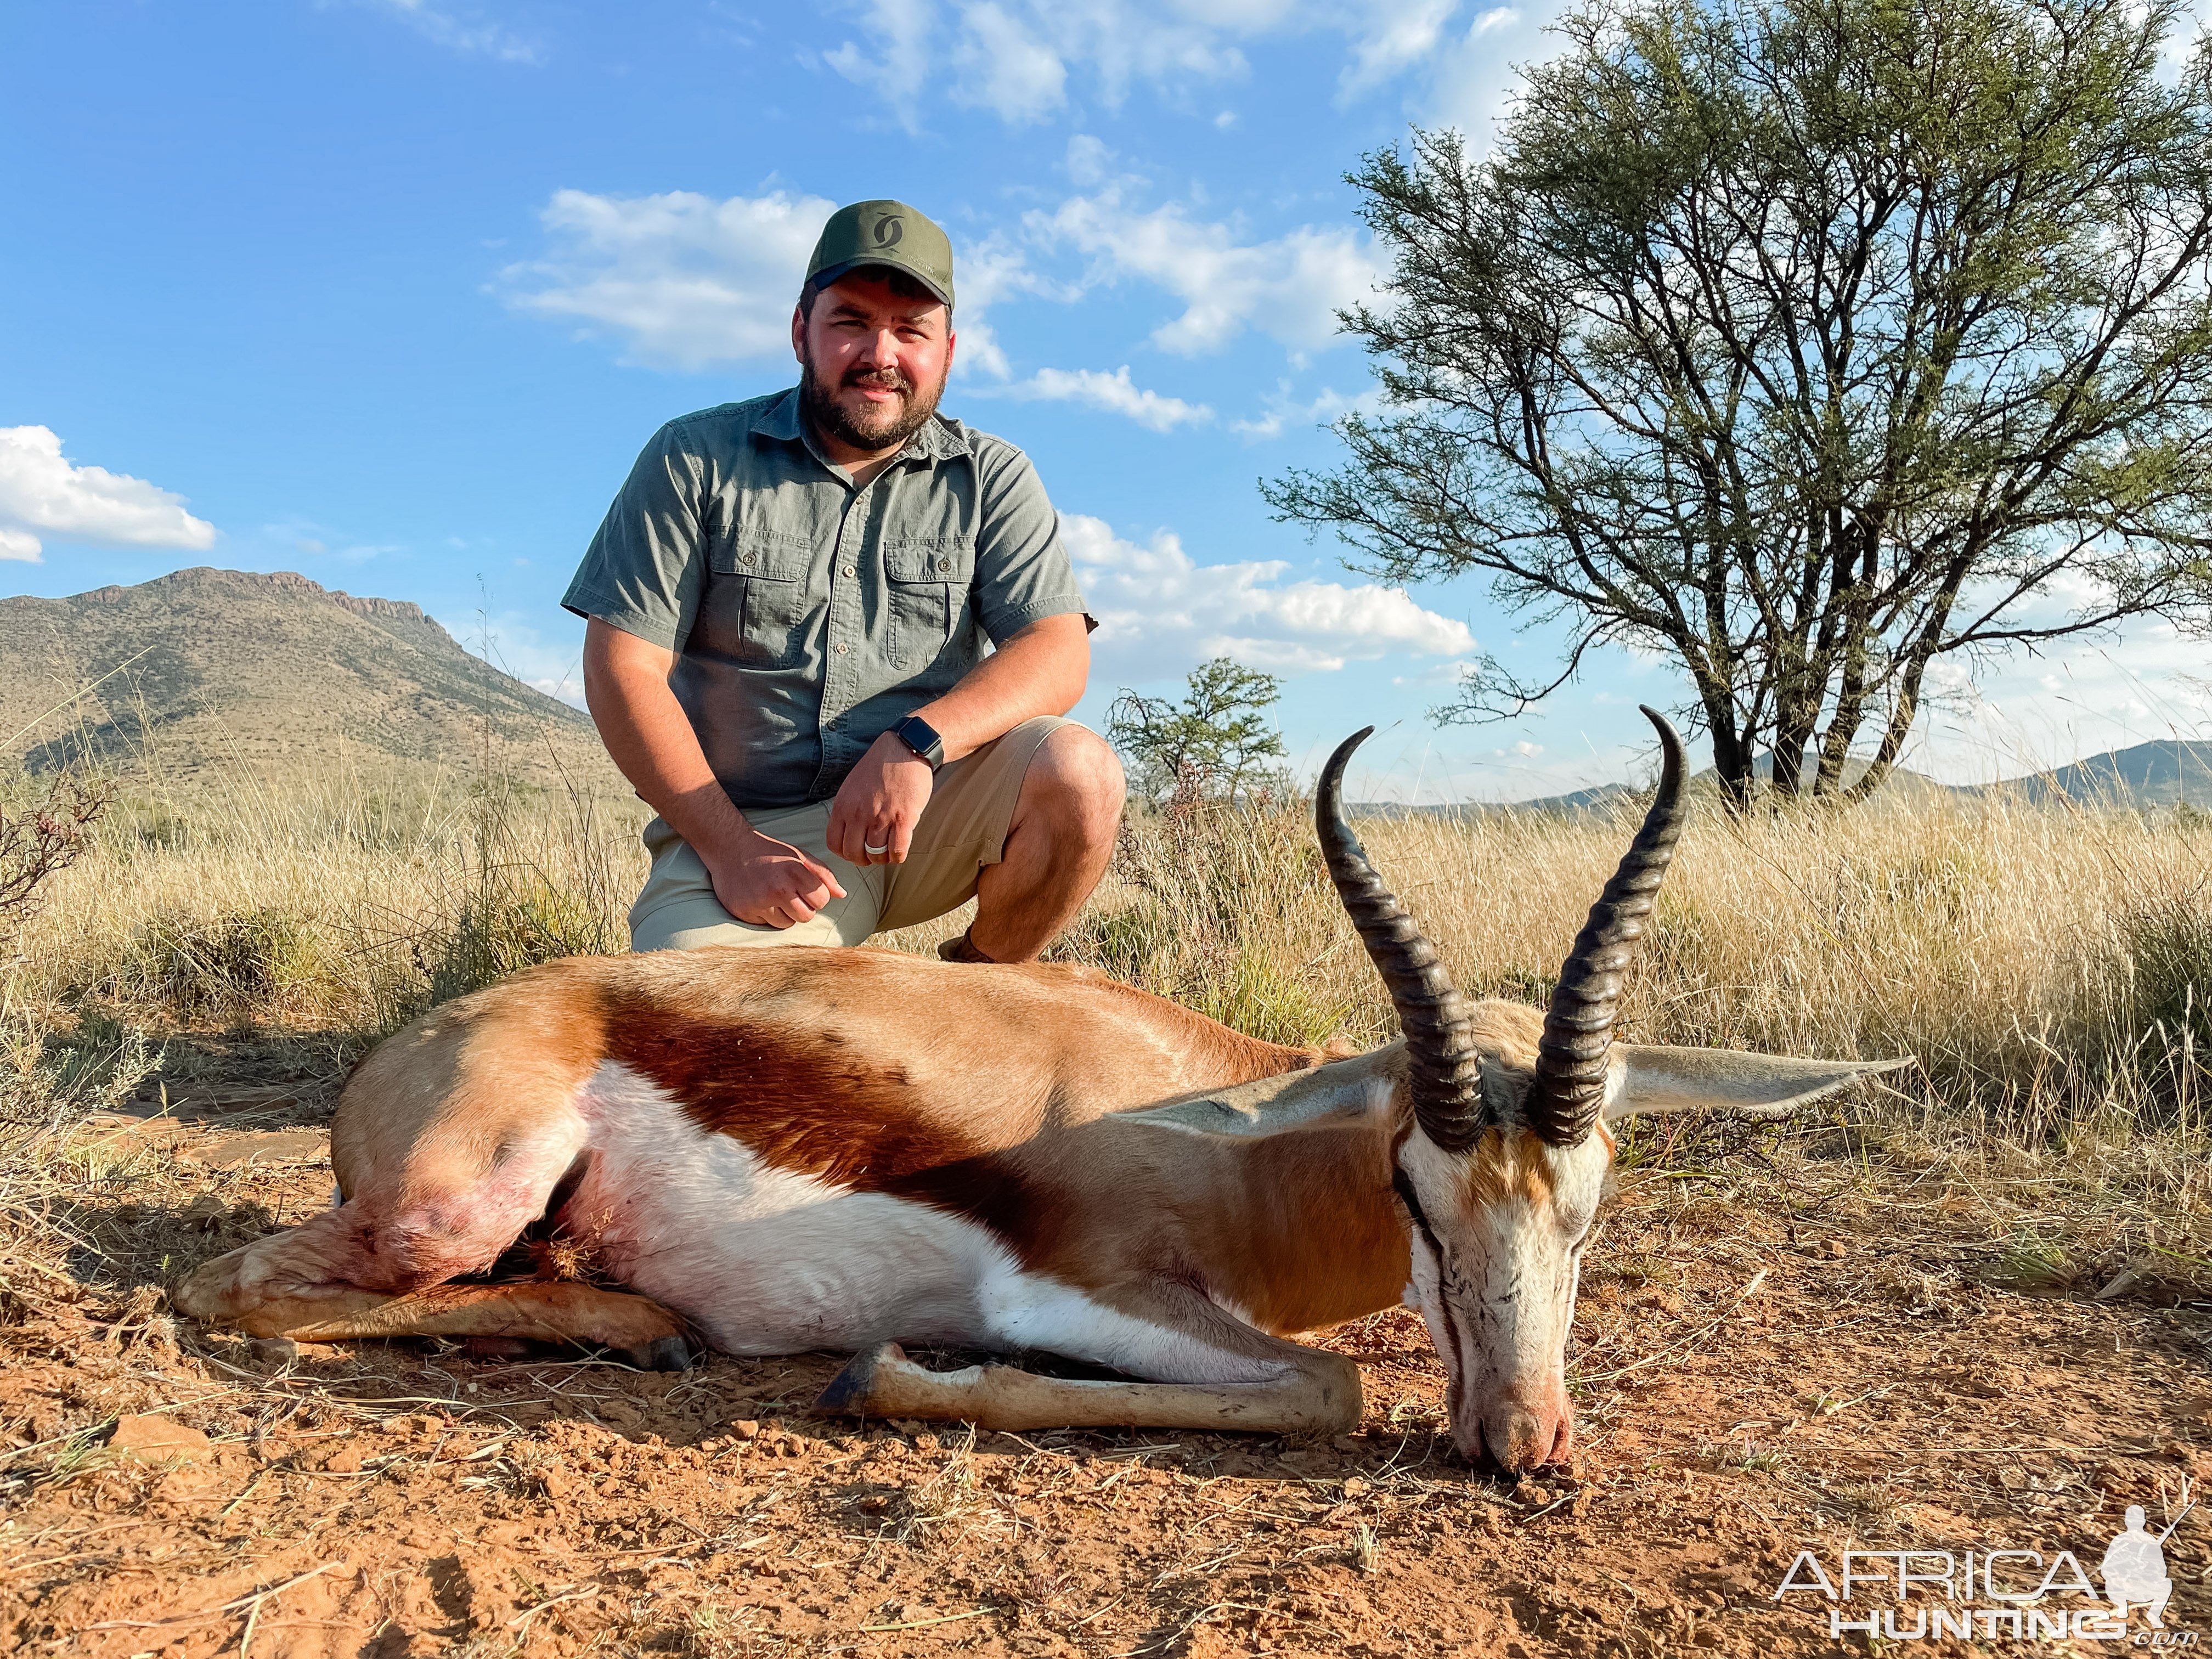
{"x": 788, "y": 603}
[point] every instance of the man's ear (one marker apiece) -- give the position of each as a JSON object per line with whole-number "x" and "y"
{"x": 1661, "y": 1079}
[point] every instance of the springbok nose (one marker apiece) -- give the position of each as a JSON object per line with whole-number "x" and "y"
{"x": 1518, "y": 1439}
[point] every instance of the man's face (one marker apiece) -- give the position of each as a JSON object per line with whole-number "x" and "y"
{"x": 874, "y": 362}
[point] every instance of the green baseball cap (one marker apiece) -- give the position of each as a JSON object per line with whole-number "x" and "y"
{"x": 883, "y": 234}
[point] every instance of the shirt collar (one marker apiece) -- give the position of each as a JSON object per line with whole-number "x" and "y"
{"x": 779, "y": 420}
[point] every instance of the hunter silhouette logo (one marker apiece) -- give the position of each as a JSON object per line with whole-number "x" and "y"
{"x": 2135, "y": 1568}
{"x": 889, "y": 231}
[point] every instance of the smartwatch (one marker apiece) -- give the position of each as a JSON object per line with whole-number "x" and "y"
{"x": 917, "y": 734}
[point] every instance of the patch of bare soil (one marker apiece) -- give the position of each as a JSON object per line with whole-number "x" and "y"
{"x": 1807, "y": 1356}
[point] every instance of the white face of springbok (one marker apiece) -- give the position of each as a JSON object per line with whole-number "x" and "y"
{"x": 1498, "y": 1230}
{"x": 1503, "y": 1167}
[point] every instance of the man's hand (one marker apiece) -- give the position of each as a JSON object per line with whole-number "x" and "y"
{"x": 770, "y": 882}
{"x": 873, "y": 819}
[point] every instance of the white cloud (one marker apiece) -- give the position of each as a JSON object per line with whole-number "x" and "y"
{"x": 1026, "y": 60}
{"x": 685, "y": 281}
{"x": 1115, "y": 393}
{"x": 39, "y": 490}
{"x": 1283, "y": 411}
{"x": 1159, "y": 612}
{"x": 1471, "y": 74}
{"x": 1291, "y": 288}
{"x": 1089, "y": 162}
{"x": 1003, "y": 66}
{"x": 1014, "y": 57}
{"x": 903, "y": 32}
{"x": 462, "y": 29}
{"x": 1399, "y": 37}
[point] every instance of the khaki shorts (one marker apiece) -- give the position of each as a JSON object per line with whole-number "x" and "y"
{"x": 963, "y": 829}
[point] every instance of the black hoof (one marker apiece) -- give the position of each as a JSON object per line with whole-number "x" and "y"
{"x": 665, "y": 1353}
{"x": 850, "y": 1391}
{"x": 491, "y": 1349}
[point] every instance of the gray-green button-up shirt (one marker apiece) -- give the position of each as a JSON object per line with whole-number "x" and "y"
{"x": 808, "y": 616}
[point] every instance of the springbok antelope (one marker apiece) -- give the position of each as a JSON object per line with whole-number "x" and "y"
{"x": 780, "y": 1150}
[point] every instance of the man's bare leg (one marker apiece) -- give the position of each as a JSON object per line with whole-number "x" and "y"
{"x": 1062, "y": 836}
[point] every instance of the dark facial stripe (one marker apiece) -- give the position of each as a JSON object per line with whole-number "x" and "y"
{"x": 1456, "y": 1361}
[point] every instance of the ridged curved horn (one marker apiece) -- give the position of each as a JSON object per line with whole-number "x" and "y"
{"x": 1446, "y": 1072}
{"x": 1578, "y": 1040}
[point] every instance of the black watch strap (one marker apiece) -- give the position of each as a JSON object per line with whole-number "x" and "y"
{"x": 919, "y": 735}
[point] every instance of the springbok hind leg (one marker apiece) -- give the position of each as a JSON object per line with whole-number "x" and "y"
{"x": 1230, "y": 1378}
{"x": 294, "y": 1283}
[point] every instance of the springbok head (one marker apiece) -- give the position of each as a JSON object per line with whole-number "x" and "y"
{"x": 1507, "y": 1147}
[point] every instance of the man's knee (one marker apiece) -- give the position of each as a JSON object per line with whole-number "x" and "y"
{"x": 1076, "y": 777}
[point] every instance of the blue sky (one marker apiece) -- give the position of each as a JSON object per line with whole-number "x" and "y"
{"x": 391, "y": 292}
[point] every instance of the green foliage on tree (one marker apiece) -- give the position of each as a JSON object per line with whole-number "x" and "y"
{"x": 1826, "y": 347}
{"x": 1218, "y": 743}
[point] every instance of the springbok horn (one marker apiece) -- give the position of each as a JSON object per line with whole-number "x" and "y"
{"x": 1446, "y": 1072}
{"x": 1577, "y": 1041}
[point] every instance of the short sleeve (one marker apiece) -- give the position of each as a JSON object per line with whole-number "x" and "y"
{"x": 643, "y": 572}
{"x": 1022, "y": 569}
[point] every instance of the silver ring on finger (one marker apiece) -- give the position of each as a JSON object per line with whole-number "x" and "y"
{"x": 885, "y": 848}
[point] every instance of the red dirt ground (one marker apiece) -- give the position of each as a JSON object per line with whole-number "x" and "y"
{"x": 1803, "y": 1356}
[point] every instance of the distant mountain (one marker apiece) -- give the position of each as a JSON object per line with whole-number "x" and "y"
{"x": 2160, "y": 773}
{"x": 1902, "y": 785}
{"x": 1603, "y": 798}
{"x": 209, "y": 667}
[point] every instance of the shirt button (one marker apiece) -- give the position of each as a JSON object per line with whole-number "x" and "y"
{"x": 848, "y": 569}
{"x": 842, "y": 649}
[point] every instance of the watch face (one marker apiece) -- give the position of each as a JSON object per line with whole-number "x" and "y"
{"x": 916, "y": 733}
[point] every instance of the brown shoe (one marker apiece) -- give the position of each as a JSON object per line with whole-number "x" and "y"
{"x": 961, "y": 948}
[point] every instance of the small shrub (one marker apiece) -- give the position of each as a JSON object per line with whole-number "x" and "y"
{"x": 2166, "y": 947}
{"x": 231, "y": 965}
{"x": 50, "y": 1081}
{"x": 1257, "y": 998}
{"x": 498, "y": 932}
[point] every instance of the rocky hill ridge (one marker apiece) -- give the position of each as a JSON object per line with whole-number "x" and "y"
{"x": 205, "y": 665}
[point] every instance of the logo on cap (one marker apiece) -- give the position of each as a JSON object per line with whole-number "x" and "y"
{"x": 889, "y": 230}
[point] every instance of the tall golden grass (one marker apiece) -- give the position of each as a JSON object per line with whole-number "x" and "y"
{"x": 2049, "y": 969}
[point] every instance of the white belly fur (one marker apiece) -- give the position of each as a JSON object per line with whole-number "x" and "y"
{"x": 764, "y": 1261}
{"x": 761, "y": 1259}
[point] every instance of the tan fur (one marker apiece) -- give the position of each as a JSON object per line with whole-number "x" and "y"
{"x": 1508, "y": 1162}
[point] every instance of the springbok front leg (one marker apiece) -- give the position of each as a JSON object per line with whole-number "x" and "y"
{"x": 1208, "y": 1371}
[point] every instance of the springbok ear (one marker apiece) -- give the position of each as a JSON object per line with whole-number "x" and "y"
{"x": 1662, "y": 1079}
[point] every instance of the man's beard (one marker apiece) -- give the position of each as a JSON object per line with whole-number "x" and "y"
{"x": 877, "y": 427}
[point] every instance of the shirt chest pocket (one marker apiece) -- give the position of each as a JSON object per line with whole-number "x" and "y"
{"x": 769, "y": 602}
{"x": 929, "y": 580}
